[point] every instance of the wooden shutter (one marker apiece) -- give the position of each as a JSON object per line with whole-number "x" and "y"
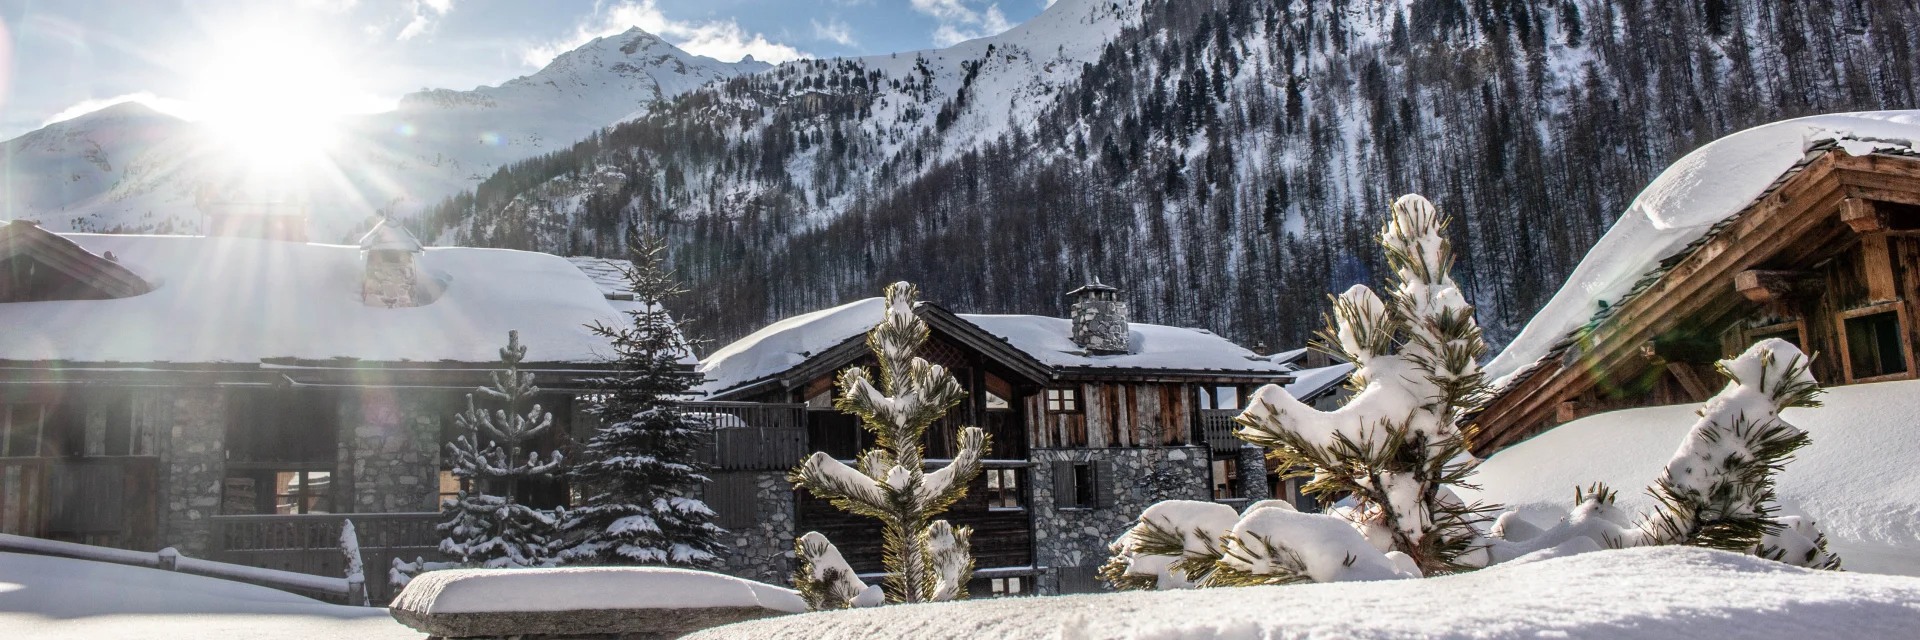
{"x": 1063, "y": 484}
{"x": 1103, "y": 484}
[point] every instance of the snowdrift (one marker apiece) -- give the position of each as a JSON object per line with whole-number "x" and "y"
{"x": 1856, "y": 479}
{"x": 1657, "y": 592}
{"x": 44, "y": 597}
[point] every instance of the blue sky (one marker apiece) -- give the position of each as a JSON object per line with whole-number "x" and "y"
{"x": 63, "y": 57}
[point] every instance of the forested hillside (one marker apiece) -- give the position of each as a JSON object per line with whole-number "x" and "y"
{"x": 1223, "y": 161}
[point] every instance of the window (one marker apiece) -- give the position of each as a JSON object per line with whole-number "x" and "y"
{"x": 93, "y": 427}
{"x": 1063, "y": 401}
{"x": 302, "y": 492}
{"x": 450, "y": 486}
{"x": 1082, "y": 485}
{"x": 1008, "y": 586}
{"x": 997, "y": 403}
{"x": 1874, "y": 345}
{"x": 1003, "y": 489}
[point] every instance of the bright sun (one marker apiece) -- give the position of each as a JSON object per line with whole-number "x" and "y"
{"x": 274, "y": 103}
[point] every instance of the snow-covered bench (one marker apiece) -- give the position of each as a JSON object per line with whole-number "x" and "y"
{"x": 661, "y": 602}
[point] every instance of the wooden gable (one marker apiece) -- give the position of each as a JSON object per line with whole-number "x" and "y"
{"x": 37, "y": 265}
{"x": 1828, "y": 259}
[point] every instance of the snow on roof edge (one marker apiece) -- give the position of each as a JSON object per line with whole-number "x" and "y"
{"x": 1684, "y": 204}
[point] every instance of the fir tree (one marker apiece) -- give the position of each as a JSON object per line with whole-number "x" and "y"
{"x": 639, "y": 471}
{"x": 495, "y": 530}
{"x": 925, "y": 561}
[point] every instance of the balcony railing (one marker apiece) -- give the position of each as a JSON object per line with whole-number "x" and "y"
{"x": 754, "y": 436}
{"x": 310, "y": 543}
{"x": 1217, "y": 426}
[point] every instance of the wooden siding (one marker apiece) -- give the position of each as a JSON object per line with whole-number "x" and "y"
{"x": 1116, "y": 414}
{"x": 104, "y": 501}
{"x": 1001, "y": 537}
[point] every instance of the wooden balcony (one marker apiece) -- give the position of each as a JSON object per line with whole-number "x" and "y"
{"x": 1218, "y": 427}
{"x": 753, "y": 436}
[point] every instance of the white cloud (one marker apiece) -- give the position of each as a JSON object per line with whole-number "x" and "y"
{"x": 425, "y": 12}
{"x": 960, "y": 22}
{"x": 835, "y": 31}
{"x": 177, "y": 108}
{"x": 719, "y": 39}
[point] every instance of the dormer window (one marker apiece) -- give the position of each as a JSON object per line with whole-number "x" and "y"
{"x": 37, "y": 265}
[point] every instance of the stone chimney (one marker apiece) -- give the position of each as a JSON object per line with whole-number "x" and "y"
{"x": 389, "y": 278}
{"x": 1099, "y": 319}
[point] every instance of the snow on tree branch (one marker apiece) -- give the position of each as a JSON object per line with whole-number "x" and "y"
{"x": 926, "y": 560}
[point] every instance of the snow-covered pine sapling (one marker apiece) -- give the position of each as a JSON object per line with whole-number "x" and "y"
{"x": 830, "y": 583}
{"x": 638, "y": 472}
{"x": 485, "y": 529}
{"x": 1179, "y": 544}
{"x": 926, "y": 560}
{"x": 1393, "y": 446}
{"x": 1717, "y": 492}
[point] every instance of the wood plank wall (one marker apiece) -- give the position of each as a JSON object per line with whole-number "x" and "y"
{"x": 1116, "y": 414}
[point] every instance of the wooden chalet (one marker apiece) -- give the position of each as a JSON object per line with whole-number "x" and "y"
{"x": 1828, "y": 258}
{"x": 1087, "y": 430}
{"x": 239, "y": 398}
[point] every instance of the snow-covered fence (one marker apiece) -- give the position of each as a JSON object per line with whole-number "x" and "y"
{"x": 311, "y": 543}
{"x": 169, "y": 559}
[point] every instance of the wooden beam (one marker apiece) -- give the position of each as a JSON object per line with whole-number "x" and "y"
{"x": 1768, "y": 287}
{"x": 1862, "y": 216}
{"x": 1876, "y": 261}
{"x": 1690, "y": 381}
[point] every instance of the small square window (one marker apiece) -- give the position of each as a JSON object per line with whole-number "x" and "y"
{"x": 1003, "y": 587}
{"x": 1874, "y": 345}
{"x": 1003, "y": 488}
{"x": 1063, "y": 401}
{"x": 1083, "y": 485}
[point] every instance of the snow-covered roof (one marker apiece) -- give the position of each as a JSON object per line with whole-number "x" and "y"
{"x": 1649, "y": 593}
{"x": 1308, "y": 383}
{"x": 243, "y": 300}
{"x": 792, "y": 341}
{"x": 610, "y": 274}
{"x": 1682, "y": 205}
{"x": 1149, "y": 346}
{"x": 1856, "y": 479}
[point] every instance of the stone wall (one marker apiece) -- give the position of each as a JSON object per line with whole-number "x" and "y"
{"x": 392, "y": 441}
{"x": 1072, "y": 541}
{"x": 1253, "y": 474}
{"x": 189, "y": 430}
{"x": 762, "y": 549}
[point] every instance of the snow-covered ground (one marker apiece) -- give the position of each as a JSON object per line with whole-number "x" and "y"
{"x": 1654, "y": 593}
{"x": 43, "y": 597}
{"x": 1856, "y": 479}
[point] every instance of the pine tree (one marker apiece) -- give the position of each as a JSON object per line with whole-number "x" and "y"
{"x": 1717, "y": 492}
{"x": 495, "y": 530}
{"x": 1393, "y": 446}
{"x": 925, "y": 561}
{"x": 639, "y": 471}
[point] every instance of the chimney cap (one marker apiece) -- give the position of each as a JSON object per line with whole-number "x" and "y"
{"x": 1092, "y": 287}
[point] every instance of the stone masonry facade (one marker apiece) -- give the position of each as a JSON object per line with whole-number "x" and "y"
{"x": 763, "y": 549}
{"x": 1253, "y": 474}
{"x": 1072, "y": 541}
{"x": 190, "y": 429}
{"x": 392, "y": 439}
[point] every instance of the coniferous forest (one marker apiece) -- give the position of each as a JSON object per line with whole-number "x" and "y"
{"x": 1222, "y": 161}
